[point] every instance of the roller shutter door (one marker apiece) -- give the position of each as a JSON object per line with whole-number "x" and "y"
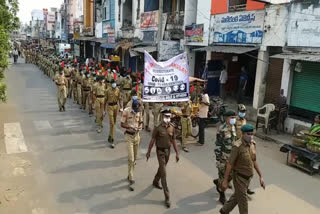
{"x": 273, "y": 78}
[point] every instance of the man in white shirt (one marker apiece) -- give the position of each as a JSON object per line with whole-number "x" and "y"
{"x": 223, "y": 80}
{"x": 203, "y": 114}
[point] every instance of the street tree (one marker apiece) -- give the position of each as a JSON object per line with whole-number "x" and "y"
{"x": 8, "y": 23}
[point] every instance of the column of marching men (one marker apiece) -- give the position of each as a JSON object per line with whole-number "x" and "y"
{"x": 101, "y": 89}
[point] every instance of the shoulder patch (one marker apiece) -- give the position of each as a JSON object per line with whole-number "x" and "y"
{"x": 237, "y": 143}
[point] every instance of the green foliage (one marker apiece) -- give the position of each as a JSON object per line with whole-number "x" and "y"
{"x": 8, "y": 23}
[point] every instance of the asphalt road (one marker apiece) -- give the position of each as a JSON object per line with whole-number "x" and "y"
{"x": 63, "y": 166}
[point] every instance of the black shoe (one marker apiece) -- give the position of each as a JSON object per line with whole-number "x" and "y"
{"x": 250, "y": 192}
{"x": 216, "y": 182}
{"x": 156, "y": 185}
{"x": 167, "y": 203}
{"x": 63, "y": 108}
{"x": 222, "y": 212}
{"x": 222, "y": 198}
{"x": 60, "y": 109}
{"x": 109, "y": 139}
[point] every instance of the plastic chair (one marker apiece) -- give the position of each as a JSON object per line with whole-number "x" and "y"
{"x": 264, "y": 117}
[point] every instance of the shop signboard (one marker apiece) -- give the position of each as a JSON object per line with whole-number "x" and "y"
{"x": 166, "y": 81}
{"x": 169, "y": 49}
{"x": 238, "y": 28}
{"x": 194, "y": 33}
{"x": 149, "y": 20}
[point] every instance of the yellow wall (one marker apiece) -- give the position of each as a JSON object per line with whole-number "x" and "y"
{"x": 88, "y": 13}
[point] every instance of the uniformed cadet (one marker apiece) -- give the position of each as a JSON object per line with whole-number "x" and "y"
{"x": 146, "y": 111}
{"x": 241, "y": 119}
{"x": 67, "y": 74}
{"x": 226, "y": 136}
{"x": 242, "y": 163}
{"x": 186, "y": 109}
{"x": 163, "y": 136}
{"x": 132, "y": 121}
{"x": 109, "y": 78}
{"x": 60, "y": 81}
{"x": 127, "y": 86}
{"x": 112, "y": 102}
{"x": 91, "y": 99}
{"x": 99, "y": 93}
{"x": 79, "y": 91}
{"x": 86, "y": 90}
{"x": 195, "y": 95}
{"x": 156, "y": 113}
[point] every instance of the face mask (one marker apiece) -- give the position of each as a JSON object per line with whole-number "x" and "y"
{"x": 134, "y": 97}
{"x": 94, "y": 78}
{"x": 242, "y": 114}
{"x": 88, "y": 75}
{"x": 233, "y": 121}
{"x": 167, "y": 119}
{"x": 114, "y": 85}
{"x": 247, "y": 138}
{"x": 102, "y": 81}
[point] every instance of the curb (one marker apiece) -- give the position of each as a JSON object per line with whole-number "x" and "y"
{"x": 267, "y": 138}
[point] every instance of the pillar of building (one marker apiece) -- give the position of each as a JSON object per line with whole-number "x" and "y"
{"x": 260, "y": 82}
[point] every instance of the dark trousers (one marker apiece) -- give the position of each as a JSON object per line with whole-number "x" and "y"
{"x": 202, "y": 126}
{"x": 163, "y": 158}
{"x": 222, "y": 91}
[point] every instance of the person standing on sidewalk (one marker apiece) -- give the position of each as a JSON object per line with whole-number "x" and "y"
{"x": 226, "y": 136}
{"x": 132, "y": 121}
{"x": 223, "y": 80}
{"x": 242, "y": 163}
{"x": 61, "y": 82}
{"x": 163, "y": 136}
{"x": 203, "y": 115}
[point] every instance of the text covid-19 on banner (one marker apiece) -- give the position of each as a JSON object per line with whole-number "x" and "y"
{"x": 166, "y": 81}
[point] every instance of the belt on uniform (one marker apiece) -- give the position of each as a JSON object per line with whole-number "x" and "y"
{"x": 112, "y": 104}
{"x": 86, "y": 89}
{"x": 243, "y": 176}
{"x": 126, "y": 89}
{"x": 60, "y": 84}
{"x": 67, "y": 76}
{"x": 131, "y": 133}
{"x": 163, "y": 149}
{"x": 185, "y": 116}
{"x": 79, "y": 83}
{"x": 100, "y": 96}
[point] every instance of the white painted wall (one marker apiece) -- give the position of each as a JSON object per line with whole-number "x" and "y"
{"x": 290, "y": 123}
{"x": 276, "y": 20}
{"x": 286, "y": 79}
{"x": 303, "y": 26}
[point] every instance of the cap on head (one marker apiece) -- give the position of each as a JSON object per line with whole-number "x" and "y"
{"x": 166, "y": 112}
{"x": 247, "y": 128}
{"x": 242, "y": 107}
{"x": 112, "y": 81}
{"x": 229, "y": 113}
{"x": 133, "y": 92}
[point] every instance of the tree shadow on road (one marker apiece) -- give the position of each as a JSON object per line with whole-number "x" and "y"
{"x": 120, "y": 203}
{"x": 195, "y": 204}
{"x": 87, "y": 193}
{"x": 91, "y": 165}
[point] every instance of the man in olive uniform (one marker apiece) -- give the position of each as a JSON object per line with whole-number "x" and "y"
{"x": 186, "y": 109}
{"x": 242, "y": 163}
{"x": 226, "y": 136}
{"x": 99, "y": 93}
{"x": 241, "y": 119}
{"x": 91, "y": 96}
{"x": 74, "y": 74}
{"x": 109, "y": 78}
{"x": 112, "y": 101}
{"x": 195, "y": 95}
{"x": 156, "y": 113}
{"x": 79, "y": 91}
{"x": 127, "y": 86}
{"x": 60, "y": 81}
{"x": 86, "y": 90}
{"x": 67, "y": 74}
{"x": 132, "y": 121}
{"x": 163, "y": 136}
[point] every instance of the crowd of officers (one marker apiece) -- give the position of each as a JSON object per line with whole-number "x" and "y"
{"x": 102, "y": 88}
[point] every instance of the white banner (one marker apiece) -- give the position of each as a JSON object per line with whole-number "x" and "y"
{"x": 166, "y": 81}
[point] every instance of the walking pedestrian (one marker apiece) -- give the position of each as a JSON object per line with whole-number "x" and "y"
{"x": 223, "y": 80}
{"x": 61, "y": 82}
{"x": 132, "y": 121}
{"x": 226, "y": 136}
{"x": 112, "y": 101}
{"x": 243, "y": 80}
{"x": 203, "y": 115}
{"x": 163, "y": 136}
{"x": 242, "y": 163}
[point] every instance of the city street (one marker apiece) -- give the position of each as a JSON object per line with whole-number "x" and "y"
{"x": 54, "y": 162}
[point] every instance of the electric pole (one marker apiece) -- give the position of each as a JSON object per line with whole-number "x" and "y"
{"x": 159, "y": 36}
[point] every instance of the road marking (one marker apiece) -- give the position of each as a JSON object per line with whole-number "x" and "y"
{"x": 72, "y": 123}
{"x": 14, "y": 139}
{"x": 42, "y": 125}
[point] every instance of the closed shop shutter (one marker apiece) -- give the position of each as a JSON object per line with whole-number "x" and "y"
{"x": 274, "y": 77}
{"x": 306, "y": 87}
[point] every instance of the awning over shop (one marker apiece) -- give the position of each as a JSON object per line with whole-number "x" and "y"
{"x": 228, "y": 49}
{"x": 298, "y": 56}
{"x": 149, "y": 49}
{"x": 108, "y": 45}
{"x": 85, "y": 38}
{"x": 100, "y": 40}
{"x": 124, "y": 44}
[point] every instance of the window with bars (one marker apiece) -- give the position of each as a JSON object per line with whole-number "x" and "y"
{"x": 237, "y": 5}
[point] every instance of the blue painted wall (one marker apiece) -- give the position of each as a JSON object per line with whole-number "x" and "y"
{"x": 112, "y": 20}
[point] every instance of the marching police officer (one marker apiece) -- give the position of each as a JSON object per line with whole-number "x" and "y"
{"x": 99, "y": 93}
{"x": 186, "y": 109}
{"x": 163, "y": 136}
{"x": 61, "y": 82}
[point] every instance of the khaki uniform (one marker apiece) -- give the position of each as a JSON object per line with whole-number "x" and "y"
{"x": 109, "y": 77}
{"x": 74, "y": 84}
{"x": 79, "y": 89}
{"x": 164, "y": 135}
{"x": 242, "y": 161}
{"x": 240, "y": 122}
{"x": 90, "y": 98}
{"x": 99, "y": 92}
{"x": 186, "y": 109}
{"x": 86, "y": 92}
{"x": 112, "y": 100}
{"x": 156, "y": 114}
{"x": 133, "y": 120}
{"x": 61, "y": 90}
{"x": 126, "y": 90}
{"x": 67, "y": 74}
